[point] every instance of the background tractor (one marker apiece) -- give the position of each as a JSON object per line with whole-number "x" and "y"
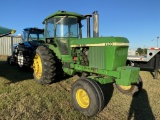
{"x": 23, "y": 52}
{"x": 97, "y": 60}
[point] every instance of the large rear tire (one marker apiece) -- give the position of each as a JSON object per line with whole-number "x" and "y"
{"x": 132, "y": 89}
{"x": 87, "y": 97}
{"x": 44, "y": 65}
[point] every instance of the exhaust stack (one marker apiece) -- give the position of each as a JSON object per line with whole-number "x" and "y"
{"x": 88, "y": 25}
{"x": 95, "y": 24}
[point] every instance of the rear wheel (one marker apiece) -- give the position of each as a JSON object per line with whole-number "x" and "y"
{"x": 132, "y": 89}
{"x": 87, "y": 97}
{"x": 44, "y": 66}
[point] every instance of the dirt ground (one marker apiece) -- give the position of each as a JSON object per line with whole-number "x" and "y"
{"x": 22, "y": 98}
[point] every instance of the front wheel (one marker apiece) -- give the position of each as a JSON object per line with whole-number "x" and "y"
{"x": 87, "y": 97}
{"x": 10, "y": 61}
{"x": 132, "y": 89}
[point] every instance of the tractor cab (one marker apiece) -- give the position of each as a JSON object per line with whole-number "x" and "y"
{"x": 63, "y": 27}
{"x": 33, "y": 36}
{"x": 63, "y": 24}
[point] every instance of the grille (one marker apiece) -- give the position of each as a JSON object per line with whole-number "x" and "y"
{"x": 97, "y": 58}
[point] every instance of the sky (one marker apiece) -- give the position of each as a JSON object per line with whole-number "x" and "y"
{"x": 137, "y": 20}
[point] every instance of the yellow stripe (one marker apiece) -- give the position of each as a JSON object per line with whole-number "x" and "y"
{"x": 102, "y": 44}
{"x": 120, "y": 44}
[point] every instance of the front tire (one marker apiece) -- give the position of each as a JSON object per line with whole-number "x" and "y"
{"x": 9, "y": 60}
{"x": 44, "y": 66}
{"x": 132, "y": 89}
{"x": 87, "y": 97}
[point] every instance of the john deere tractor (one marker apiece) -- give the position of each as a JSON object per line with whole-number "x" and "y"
{"x": 23, "y": 52}
{"x": 97, "y": 60}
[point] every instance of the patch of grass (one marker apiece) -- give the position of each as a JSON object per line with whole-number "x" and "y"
{"x": 21, "y": 98}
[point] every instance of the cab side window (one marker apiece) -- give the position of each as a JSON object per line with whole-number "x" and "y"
{"x": 25, "y": 36}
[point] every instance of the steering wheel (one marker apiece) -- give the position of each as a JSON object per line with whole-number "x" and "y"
{"x": 69, "y": 33}
{"x": 41, "y": 41}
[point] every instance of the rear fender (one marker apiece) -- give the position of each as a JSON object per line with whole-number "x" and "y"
{"x": 55, "y": 50}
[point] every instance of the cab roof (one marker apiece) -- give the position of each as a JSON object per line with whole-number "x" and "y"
{"x": 65, "y": 13}
{"x": 34, "y": 29}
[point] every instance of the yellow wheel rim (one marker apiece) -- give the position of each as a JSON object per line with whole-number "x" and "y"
{"x": 82, "y": 98}
{"x": 37, "y": 66}
{"x": 125, "y": 87}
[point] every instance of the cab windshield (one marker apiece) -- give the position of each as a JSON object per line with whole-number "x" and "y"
{"x": 65, "y": 27}
{"x": 35, "y": 36}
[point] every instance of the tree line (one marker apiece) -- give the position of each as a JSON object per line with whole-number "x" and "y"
{"x": 141, "y": 51}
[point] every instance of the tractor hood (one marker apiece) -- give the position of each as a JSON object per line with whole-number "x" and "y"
{"x": 104, "y": 52}
{"x": 6, "y": 31}
{"x": 100, "y": 41}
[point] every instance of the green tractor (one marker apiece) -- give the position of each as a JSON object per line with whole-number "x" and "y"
{"x": 97, "y": 60}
